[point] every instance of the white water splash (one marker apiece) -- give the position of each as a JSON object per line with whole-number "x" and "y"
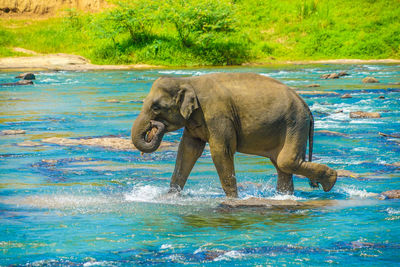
{"x": 392, "y": 211}
{"x": 286, "y": 197}
{"x": 351, "y": 191}
{"x": 233, "y": 254}
{"x": 158, "y": 194}
{"x": 145, "y": 193}
{"x": 166, "y": 246}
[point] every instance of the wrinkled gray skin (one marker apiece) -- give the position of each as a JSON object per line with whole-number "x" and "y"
{"x": 233, "y": 112}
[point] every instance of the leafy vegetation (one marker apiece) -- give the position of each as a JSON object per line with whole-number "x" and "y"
{"x": 219, "y": 32}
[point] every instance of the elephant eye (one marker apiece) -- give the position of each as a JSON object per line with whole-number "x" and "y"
{"x": 156, "y": 107}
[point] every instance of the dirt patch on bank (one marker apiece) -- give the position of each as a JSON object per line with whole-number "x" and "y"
{"x": 61, "y": 62}
{"x": 73, "y": 62}
{"x": 15, "y": 8}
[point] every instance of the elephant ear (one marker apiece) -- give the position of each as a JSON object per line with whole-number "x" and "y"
{"x": 188, "y": 100}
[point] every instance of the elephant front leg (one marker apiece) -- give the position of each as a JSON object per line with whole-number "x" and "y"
{"x": 222, "y": 153}
{"x": 190, "y": 149}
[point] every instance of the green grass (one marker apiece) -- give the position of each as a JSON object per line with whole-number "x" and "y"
{"x": 251, "y": 31}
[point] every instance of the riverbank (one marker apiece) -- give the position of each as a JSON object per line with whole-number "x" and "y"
{"x": 238, "y": 32}
{"x": 69, "y": 62}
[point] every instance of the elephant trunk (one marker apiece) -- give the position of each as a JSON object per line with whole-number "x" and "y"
{"x": 147, "y": 134}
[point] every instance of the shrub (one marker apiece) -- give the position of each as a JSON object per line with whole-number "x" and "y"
{"x": 136, "y": 17}
{"x": 196, "y": 17}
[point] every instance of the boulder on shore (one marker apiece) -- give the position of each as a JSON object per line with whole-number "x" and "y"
{"x": 370, "y": 80}
{"x": 362, "y": 115}
{"x": 392, "y": 194}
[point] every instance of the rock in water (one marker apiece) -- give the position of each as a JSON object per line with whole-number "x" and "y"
{"x": 370, "y": 80}
{"x": 392, "y": 194}
{"x": 332, "y": 133}
{"x": 362, "y": 114}
{"x": 345, "y": 173}
{"x": 29, "y": 143}
{"x": 313, "y": 85}
{"x": 389, "y": 135}
{"x": 12, "y": 132}
{"x": 255, "y": 202}
{"x": 343, "y": 73}
{"x": 330, "y": 76}
{"x": 21, "y": 82}
{"x": 116, "y": 143}
{"x": 26, "y": 76}
{"x": 112, "y": 101}
{"x": 346, "y": 96}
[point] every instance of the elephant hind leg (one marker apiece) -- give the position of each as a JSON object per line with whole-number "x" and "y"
{"x": 291, "y": 160}
{"x": 285, "y": 181}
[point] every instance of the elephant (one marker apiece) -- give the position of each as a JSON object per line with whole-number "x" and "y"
{"x": 232, "y": 112}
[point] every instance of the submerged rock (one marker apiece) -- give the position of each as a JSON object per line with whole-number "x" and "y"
{"x": 255, "y": 202}
{"x": 316, "y": 92}
{"x": 29, "y": 143}
{"x": 362, "y": 114}
{"x": 26, "y": 76}
{"x": 395, "y": 164}
{"x": 370, "y": 80}
{"x": 389, "y": 135}
{"x": 112, "y": 101}
{"x": 21, "y": 82}
{"x": 313, "y": 85}
{"x": 116, "y": 143}
{"x": 345, "y": 173}
{"x": 13, "y": 132}
{"x": 333, "y": 133}
{"x": 392, "y": 194}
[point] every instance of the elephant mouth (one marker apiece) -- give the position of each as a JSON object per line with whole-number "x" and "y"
{"x": 156, "y": 128}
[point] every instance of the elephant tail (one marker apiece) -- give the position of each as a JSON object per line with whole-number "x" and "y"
{"x": 311, "y": 137}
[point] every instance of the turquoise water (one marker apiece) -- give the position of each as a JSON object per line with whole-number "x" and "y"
{"x": 92, "y": 206}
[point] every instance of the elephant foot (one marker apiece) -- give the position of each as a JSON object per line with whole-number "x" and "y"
{"x": 329, "y": 180}
{"x": 313, "y": 184}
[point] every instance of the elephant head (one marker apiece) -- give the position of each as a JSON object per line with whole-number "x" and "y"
{"x": 167, "y": 108}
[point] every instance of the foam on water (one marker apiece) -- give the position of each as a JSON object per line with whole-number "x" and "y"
{"x": 352, "y": 191}
{"x": 56, "y": 201}
{"x": 159, "y": 194}
{"x": 392, "y": 211}
{"x": 230, "y": 255}
{"x": 145, "y": 193}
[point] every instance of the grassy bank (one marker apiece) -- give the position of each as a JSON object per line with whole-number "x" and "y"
{"x": 204, "y": 32}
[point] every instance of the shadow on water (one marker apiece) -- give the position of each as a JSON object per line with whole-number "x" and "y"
{"x": 244, "y": 219}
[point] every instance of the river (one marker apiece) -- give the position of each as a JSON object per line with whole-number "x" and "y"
{"x": 87, "y": 205}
